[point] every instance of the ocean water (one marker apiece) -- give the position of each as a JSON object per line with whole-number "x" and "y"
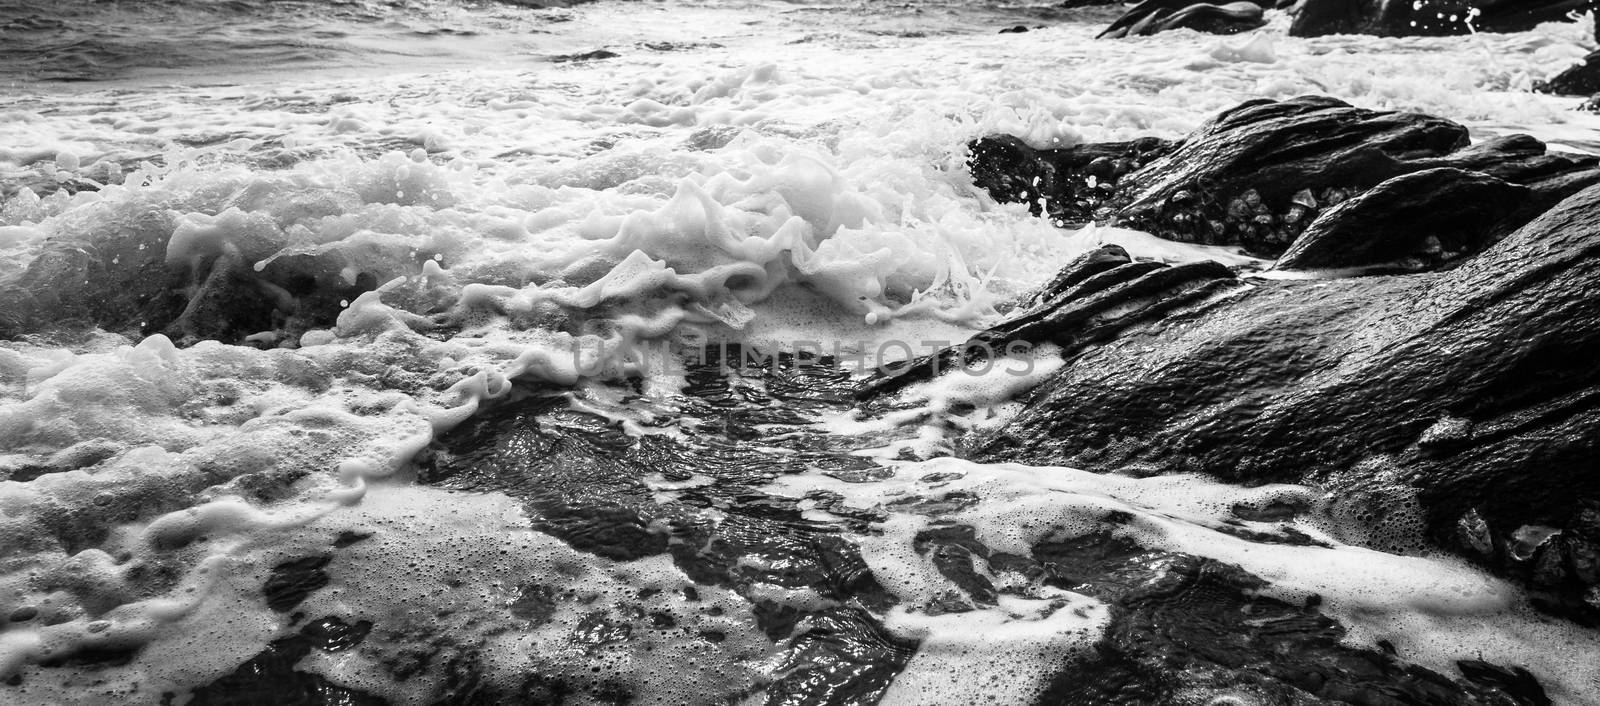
{"x": 498, "y": 200}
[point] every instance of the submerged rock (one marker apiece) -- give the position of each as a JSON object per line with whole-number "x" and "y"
{"x": 292, "y": 581}
{"x": 1181, "y": 628}
{"x": 1154, "y": 16}
{"x": 596, "y": 55}
{"x": 1472, "y": 389}
{"x": 123, "y": 281}
{"x": 582, "y": 481}
{"x": 271, "y": 678}
{"x": 1259, "y": 174}
{"x": 1315, "y": 18}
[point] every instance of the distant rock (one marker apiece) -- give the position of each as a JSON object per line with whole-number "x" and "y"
{"x": 595, "y": 55}
{"x": 1314, "y": 18}
{"x": 1581, "y": 79}
{"x": 1153, "y": 16}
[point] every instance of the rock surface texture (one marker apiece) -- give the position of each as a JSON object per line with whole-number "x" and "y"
{"x": 1471, "y": 393}
{"x": 1153, "y": 16}
{"x": 1262, "y": 173}
{"x": 1580, "y": 79}
{"x": 1456, "y": 389}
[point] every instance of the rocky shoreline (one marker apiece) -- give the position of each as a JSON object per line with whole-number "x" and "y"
{"x": 1218, "y": 483}
{"x": 1461, "y": 379}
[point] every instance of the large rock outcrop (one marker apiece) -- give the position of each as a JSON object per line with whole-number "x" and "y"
{"x": 1473, "y": 391}
{"x": 1261, "y": 173}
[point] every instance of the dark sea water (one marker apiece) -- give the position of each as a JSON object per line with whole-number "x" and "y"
{"x": 89, "y": 40}
{"x": 96, "y": 40}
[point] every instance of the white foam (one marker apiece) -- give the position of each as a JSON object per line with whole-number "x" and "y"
{"x": 957, "y": 401}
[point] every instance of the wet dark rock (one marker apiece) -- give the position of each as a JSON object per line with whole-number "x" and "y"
{"x": 1473, "y": 388}
{"x": 1019, "y": 29}
{"x": 595, "y": 55}
{"x": 540, "y": 689}
{"x": 270, "y": 678}
{"x": 291, "y": 581}
{"x": 942, "y": 505}
{"x": 1272, "y": 511}
{"x": 1283, "y": 534}
{"x": 582, "y": 482}
{"x": 1154, "y": 16}
{"x": 843, "y": 657}
{"x": 1581, "y": 79}
{"x": 347, "y": 538}
{"x": 106, "y": 656}
{"x": 602, "y": 529}
{"x": 1182, "y": 626}
{"x": 1186, "y": 628}
{"x": 1242, "y": 177}
{"x": 1411, "y": 223}
{"x": 1259, "y": 174}
{"x": 574, "y": 487}
{"x": 1070, "y": 184}
{"x": 333, "y": 634}
{"x": 1515, "y": 682}
{"x": 535, "y": 603}
{"x": 1315, "y": 18}
{"x": 1092, "y": 299}
{"x": 596, "y": 630}
{"x": 953, "y": 550}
